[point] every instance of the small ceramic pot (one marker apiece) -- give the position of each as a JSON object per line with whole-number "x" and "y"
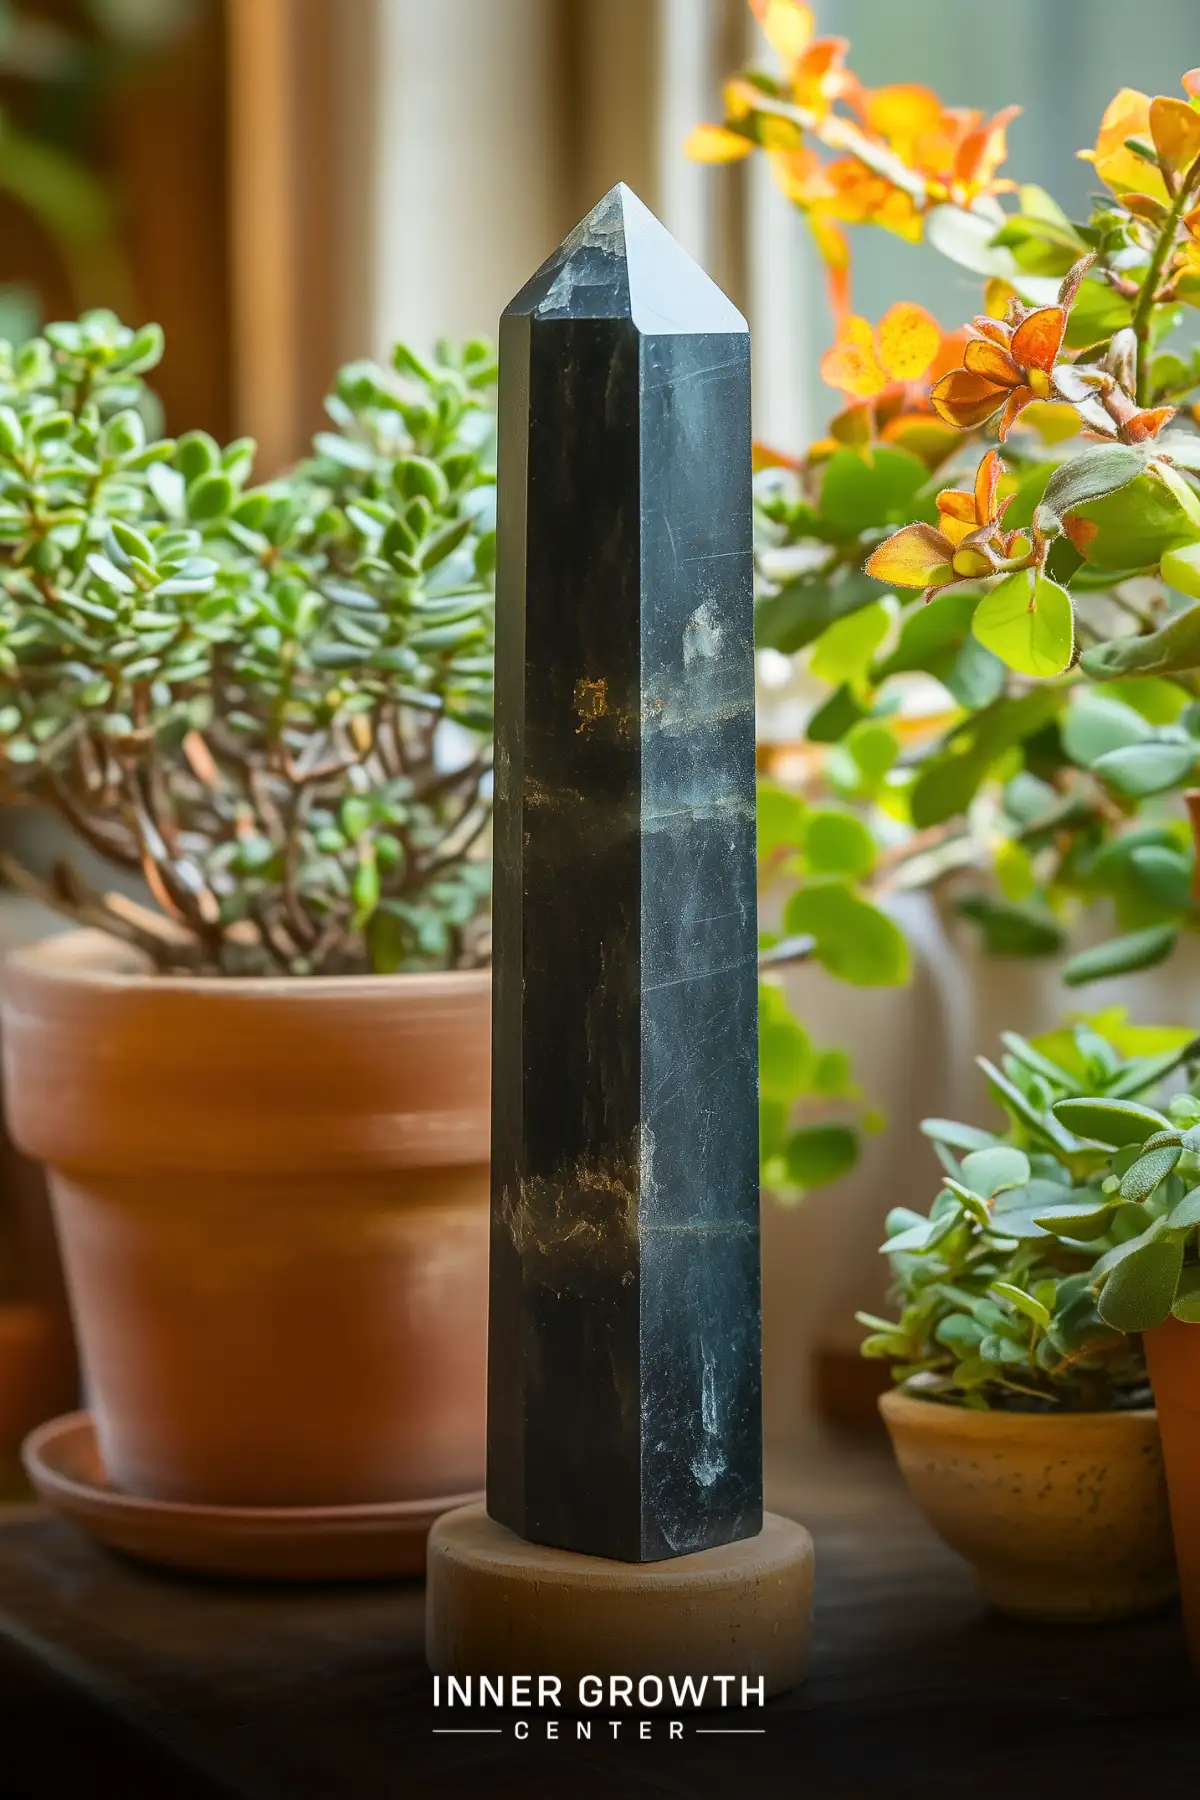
{"x": 271, "y": 1197}
{"x": 1062, "y": 1516}
{"x": 1173, "y": 1359}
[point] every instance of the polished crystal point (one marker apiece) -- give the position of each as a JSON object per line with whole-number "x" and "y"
{"x": 624, "y": 1413}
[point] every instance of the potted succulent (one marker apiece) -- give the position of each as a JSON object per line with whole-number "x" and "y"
{"x": 1146, "y": 1214}
{"x": 260, "y": 1086}
{"x": 1022, "y": 1416}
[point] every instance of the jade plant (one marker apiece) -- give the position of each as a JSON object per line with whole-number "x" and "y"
{"x": 271, "y": 702}
{"x": 1005, "y": 1290}
{"x": 1147, "y": 1212}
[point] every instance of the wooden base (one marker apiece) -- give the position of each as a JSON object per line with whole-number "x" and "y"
{"x": 496, "y": 1605}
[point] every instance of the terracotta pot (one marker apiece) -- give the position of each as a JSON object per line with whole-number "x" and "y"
{"x": 1173, "y": 1358}
{"x": 272, "y": 1202}
{"x": 1062, "y": 1516}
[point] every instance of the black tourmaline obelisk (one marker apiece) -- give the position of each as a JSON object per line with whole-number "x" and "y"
{"x": 624, "y": 1414}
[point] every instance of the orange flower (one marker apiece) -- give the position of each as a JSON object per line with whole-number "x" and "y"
{"x": 901, "y": 348}
{"x": 1188, "y": 260}
{"x": 821, "y": 76}
{"x": 978, "y": 154}
{"x": 1007, "y": 365}
{"x": 899, "y": 413}
{"x": 1169, "y": 128}
{"x": 789, "y": 26}
{"x": 897, "y": 152}
{"x": 860, "y": 196}
{"x": 957, "y": 150}
{"x": 804, "y": 178}
{"x": 967, "y": 545}
{"x": 717, "y": 144}
{"x": 1175, "y": 134}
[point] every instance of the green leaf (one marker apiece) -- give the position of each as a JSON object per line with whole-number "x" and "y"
{"x": 1142, "y": 1177}
{"x": 912, "y": 1240}
{"x": 1034, "y": 1059}
{"x": 959, "y": 1137}
{"x": 1012, "y": 930}
{"x": 1035, "y": 1212}
{"x": 949, "y": 781}
{"x": 196, "y": 454}
{"x": 124, "y": 435}
{"x": 835, "y": 717}
{"x": 1140, "y": 1290}
{"x": 12, "y": 437}
{"x": 1163, "y": 875}
{"x": 977, "y": 676}
{"x": 1122, "y": 955}
{"x": 932, "y": 635}
{"x": 966, "y": 238}
{"x": 855, "y": 940}
{"x": 1071, "y": 1220}
{"x": 844, "y": 651}
{"x": 1096, "y": 724}
{"x": 858, "y": 496}
{"x": 989, "y": 1172}
{"x": 936, "y": 637}
{"x": 818, "y": 1154}
{"x": 1043, "y": 1125}
{"x": 859, "y": 766}
{"x": 1148, "y": 1070}
{"x": 831, "y": 1074}
{"x": 1028, "y": 623}
{"x": 946, "y": 786}
{"x": 1092, "y": 475}
{"x": 419, "y": 477}
{"x": 1097, "y": 314}
{"x": 784, "y": 1050}
{"x": 1147, "y": 768}
{"x": 1111, "y": 1122}
{"x": 1131, "y": 528}
{"x": 1016, "y": 877}
{"x": 1181, "y": 568}
{"x": 210, "y": 496}
{"x": 972, "y": 1203}
{"x": 443, "y": 543}
{"x": 838, "y": 843}
{"x": 1186, "y": 1306}
{"x": 1186, "y": 1215}
{"x": 1171, "y": 651}
{"x": 781, "y": 820}
{"x": 1024, "y": 1303}
{"x": 1158, "y": 702}
{"x": 804, "y": 608}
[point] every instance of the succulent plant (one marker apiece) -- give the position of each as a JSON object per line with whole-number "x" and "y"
{"x": 272, "y": 702}
{"x": 1147, "y": 1212}
{"x": 1004, "y": 1288}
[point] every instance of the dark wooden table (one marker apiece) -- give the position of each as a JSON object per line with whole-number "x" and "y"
{"x": 139, "y": 1683}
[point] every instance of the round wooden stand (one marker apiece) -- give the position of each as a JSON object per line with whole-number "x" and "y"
{"x": 496, "y": 1605}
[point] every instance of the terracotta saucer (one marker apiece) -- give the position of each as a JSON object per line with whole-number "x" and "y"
{"x": 302, "y": 1543}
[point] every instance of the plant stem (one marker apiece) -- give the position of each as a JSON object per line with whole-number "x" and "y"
{"x": 1134, "y": 612}
{"x": 839, "y": 133}
{"x": 1144, "y": 309}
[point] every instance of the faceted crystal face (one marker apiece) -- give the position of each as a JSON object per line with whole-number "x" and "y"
{"x": 624, "y": 1374}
